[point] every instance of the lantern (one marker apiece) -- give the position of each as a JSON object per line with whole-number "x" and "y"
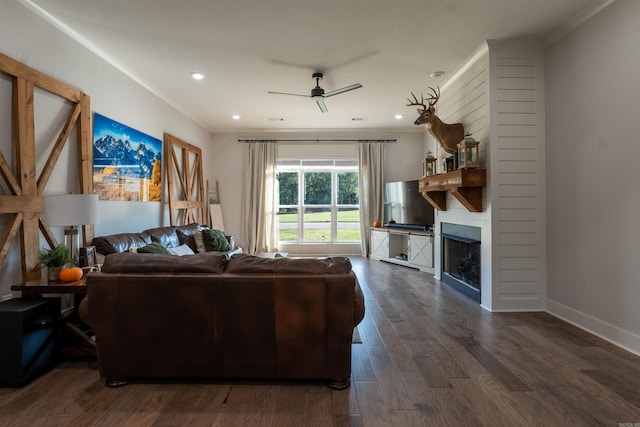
{"x": 468, "y": 156}
{"x": 429, "y": 165}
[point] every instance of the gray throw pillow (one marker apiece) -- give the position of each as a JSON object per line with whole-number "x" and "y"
{"x": 214, "y": 240}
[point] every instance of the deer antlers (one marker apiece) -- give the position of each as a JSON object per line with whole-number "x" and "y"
{"x": 415, "y": 101}
{"x": 433, "y": 98}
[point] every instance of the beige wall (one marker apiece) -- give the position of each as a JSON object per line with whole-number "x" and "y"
{"x": 593, "y": 197}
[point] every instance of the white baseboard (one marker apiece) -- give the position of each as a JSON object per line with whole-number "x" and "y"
{"x": 608, "y": 332}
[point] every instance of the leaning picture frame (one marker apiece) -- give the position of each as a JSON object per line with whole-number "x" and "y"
{"x": 88, "y": 256}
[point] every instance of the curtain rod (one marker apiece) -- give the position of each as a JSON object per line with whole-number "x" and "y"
{"x": 317, "y": 140}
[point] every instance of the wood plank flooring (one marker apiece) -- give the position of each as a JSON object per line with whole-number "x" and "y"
{"x": 429, "y": 357}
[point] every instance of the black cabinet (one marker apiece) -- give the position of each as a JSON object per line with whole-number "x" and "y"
{"x": 28, "y": 338}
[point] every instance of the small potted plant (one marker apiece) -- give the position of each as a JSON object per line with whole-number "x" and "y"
{"x": 54, "y": 259}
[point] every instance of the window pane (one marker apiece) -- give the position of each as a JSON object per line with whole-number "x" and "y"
{"x": 348, "y": 225}
{"x": 317, "y": 225}
{"x": 288, "y": 224}
{"x": 287, "y": 162}
{"x": 348, "y": 188}
{"x": 317, "y": 163}
{"x": 317, "y": 188}
{"x": 343, "y": 163}
{"x": 288, "y": 187}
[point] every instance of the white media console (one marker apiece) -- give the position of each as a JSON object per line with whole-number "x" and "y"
{"x": 410, "y": 248}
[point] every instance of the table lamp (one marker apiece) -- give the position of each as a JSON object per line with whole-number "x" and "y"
{"x": 71, "y": 211}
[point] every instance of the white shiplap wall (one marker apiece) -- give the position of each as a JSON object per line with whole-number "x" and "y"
{"x": 517, "y": 175}
{"x": 465, "y": 100}
{"x": 498, "y": 96}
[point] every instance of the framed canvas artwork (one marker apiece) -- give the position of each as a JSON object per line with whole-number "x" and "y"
{"x": 127, "y": 164}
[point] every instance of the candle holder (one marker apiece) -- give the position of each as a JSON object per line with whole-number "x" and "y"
{"x": 429, "y": 163}
{"x": 468, "y": 153}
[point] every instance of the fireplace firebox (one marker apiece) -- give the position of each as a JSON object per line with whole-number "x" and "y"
{"x": 461, "y": 258}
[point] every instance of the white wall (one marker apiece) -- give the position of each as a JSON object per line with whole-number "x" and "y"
{"x": 593, "y": 196}
{"x": 26, "y": 37}
{"x": 223, "y": 161}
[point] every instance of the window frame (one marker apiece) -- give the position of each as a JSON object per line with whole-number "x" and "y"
{"x": 302, "y": 167}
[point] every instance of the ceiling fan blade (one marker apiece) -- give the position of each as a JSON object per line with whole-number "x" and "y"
{"x": 320, "y": 101}
{"x": 286, "y": 93}
{"x": 344, "y": 89}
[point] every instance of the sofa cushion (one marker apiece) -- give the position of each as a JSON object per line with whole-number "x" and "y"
{"x": 209, "y": 262}
{"x": 121, "y": 242}
{"x": 215, "y": 240}
{"x": 188, "y": 229}
{"x": 166, "y": 236}
{"x": 152, "y": 248}
{"x": 186, "y": 237}
{"x": 245, "y": 263}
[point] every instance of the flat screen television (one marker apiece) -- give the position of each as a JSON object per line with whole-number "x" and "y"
{"x": 404, "y": 206}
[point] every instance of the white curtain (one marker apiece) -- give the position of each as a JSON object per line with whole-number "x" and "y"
{"x": 371, "y": 168}
{"x": 258, "y": 199}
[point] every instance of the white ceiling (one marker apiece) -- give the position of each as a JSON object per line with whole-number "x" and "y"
{"x": 249, "y": 47}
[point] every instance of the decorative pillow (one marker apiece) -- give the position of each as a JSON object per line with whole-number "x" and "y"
{"x": 153, "y": 248}
{"x": 197, "y": 238}
{"x": 181, "y": 250}
{"x": 214, "y": 240}
{"x": 186, "y": 238}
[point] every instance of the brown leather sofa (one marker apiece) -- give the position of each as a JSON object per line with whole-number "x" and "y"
{"x": 213, "y": 316}
{"x": 169, "y": 237}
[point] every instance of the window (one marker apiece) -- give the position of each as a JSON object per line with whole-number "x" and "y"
{"x": 318, "y": 201}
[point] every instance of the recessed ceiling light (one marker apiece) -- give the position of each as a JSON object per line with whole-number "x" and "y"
{"x": 399, "y": 116}
{"x": 436, "y": 74}
{"x": 197, "y": 76}
{"x": 235, "y": 117}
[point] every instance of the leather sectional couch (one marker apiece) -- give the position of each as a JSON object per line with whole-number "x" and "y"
{"x": 212, "y": 315}
{"x": 169, "y": 237}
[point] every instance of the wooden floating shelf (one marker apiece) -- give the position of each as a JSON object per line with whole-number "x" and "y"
{"x": 464, "y": 184}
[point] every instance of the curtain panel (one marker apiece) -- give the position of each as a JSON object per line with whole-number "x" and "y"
{"x": 371, "y": 172}
{"x": 258, "y": 209}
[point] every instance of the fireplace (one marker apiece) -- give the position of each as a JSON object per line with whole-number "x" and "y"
{"x": 461, "y": 258}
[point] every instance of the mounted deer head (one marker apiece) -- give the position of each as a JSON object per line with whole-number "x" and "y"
{"x": 447, "y": 135}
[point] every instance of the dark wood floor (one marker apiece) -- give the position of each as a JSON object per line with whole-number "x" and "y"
{"x": 429, "y": 356}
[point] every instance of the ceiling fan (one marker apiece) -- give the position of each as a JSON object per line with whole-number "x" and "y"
{"x": 318, "y": 94}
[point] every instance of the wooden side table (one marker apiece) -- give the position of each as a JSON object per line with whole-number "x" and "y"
{"x": 87, "y": 347}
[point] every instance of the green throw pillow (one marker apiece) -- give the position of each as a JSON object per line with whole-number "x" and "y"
{"x": 153, "y": 248}
{"x": 214, "y": 240}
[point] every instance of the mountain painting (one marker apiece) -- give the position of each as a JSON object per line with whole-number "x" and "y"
{"x": 127, "y": 164}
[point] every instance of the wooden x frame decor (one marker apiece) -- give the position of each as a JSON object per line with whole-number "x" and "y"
{"x": 25, "y": 203}
{"x": 185, "y": 185}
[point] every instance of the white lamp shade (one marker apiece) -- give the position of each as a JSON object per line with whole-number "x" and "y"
{"x": 71, "y": 209}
